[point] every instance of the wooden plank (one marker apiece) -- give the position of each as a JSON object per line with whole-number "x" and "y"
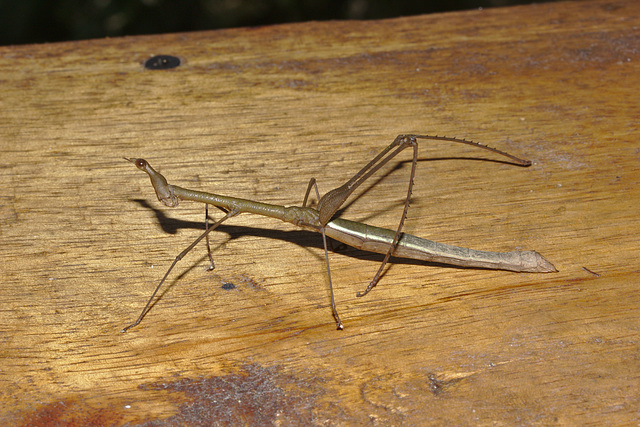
{"x": 255, "y": 113}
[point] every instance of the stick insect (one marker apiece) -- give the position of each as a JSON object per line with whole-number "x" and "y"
{"x": 356, "y": 234}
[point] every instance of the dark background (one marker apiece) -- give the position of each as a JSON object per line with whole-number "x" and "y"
{"x": 37, "y": 21}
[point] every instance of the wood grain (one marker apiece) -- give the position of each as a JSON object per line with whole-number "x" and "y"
{"x": 255, "y": 113}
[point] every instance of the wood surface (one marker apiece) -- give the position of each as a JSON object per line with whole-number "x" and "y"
{"x": 255, "y": 113}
